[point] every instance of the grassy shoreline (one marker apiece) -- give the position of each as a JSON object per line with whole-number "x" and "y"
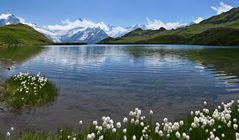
{"x": 25, "y": 90}
{"x": 207, "y": 123}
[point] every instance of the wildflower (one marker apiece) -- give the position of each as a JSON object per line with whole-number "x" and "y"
{"x": 168, "y": 135}
{"x": 142, "y": 124}
{"x": 124, "y": 137}
{"x": 134, "y": 137}
{"x": 177, "y": 134}
{"x": 235, "y": 120}
{"x": 181, "y": 123}
{"x": 235, "y": 126}
{"x": 8, "y": 133}
{"x": 223, "y": 135}
{"x": 184, "y": 135}
{"x": 89, "y": 137}
{"x": 118, "y": 124}
{"x": 12, "y": 128}
{"x": 113, "y": 130}
{"x": 228, "y": 116}
{"x": 193, "y": 125}
{"x": 101, "y": 137}
{"x": 124, "y": 131}
{"x": 151, "y": 112}
{"x": 205, "y": 102}
{"x": 237, "y": 135}
{"x": 160, "y": 133}
{"x": 165, "y": 120}
{"x": 137, "y": 122}
{"x": 80, "y": 122}
{"x": 95, "y": 123}
{"x": 125, "y": 120}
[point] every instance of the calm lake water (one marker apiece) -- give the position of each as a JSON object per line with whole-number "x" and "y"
{"x": 97, "y": 80}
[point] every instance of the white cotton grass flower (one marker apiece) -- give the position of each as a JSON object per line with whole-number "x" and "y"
{"x": 95, "y": 123}
{"x": 223, "y": 135}
{"x": 125, "y": 120}
{"x": 136, "y": 122}
{"x": 118, "y": 125}
{"x": 134, "y": 137}
{"x": 235, "y": 126}
{"x": 91, "y": 136}
{"x": 235, "y": 120}
{"x": 151, "y": 112}
{"x": 142, "y": 124}
{"x": 114, "y": 130}
{"x": 125, "y": 131}
{"x": 8, "y": 133}
{"x": 101, "y": 137}
{"x": 12, "y": 128}
{"x": 181, "y": 123}
{"x": 160, "y": 133}
{"x": 205, "y": 102}
{"x": 80, "y": 122}
{"x": 178, "y": 135}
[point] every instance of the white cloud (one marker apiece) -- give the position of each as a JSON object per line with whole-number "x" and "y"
{"x": 222, "y": 8}
{"x": 4, "y": 16}
{"x": 156, "y": 24}
{"x": 198, "y": 20}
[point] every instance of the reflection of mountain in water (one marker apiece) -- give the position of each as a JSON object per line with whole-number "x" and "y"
{"x": 12, "y": 55}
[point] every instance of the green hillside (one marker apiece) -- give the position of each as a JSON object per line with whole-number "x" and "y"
{"x": 21, "y": 35}
{"x": 217, "y": 30}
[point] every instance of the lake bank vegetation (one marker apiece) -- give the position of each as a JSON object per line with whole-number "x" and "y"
{"x": 25, "y": 90}
{"x": 208, "y": 123}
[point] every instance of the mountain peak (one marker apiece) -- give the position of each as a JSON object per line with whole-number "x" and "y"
{"x": 8, "y": 19}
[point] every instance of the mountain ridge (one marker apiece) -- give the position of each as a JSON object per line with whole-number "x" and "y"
{"x": 191, "y": 34}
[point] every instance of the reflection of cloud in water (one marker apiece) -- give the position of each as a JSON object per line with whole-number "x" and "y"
{"x": 77, "y": 56}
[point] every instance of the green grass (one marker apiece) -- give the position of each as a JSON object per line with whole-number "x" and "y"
{"x": 24, "y": 90}
{"x": 21, "y": 35}
{"x": 223, "y": 120}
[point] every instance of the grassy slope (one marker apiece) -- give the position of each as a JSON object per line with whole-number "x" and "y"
{"x": 193, "y": 34}
{"x": 20, "y": 34}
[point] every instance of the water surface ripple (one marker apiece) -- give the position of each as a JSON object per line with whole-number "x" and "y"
{"x": 111, "y": 80}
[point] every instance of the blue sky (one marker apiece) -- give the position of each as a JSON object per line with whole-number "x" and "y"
{"x": 114, "y": 12}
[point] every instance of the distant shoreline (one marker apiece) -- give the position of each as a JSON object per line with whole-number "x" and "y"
{"x": 69, "y": 43}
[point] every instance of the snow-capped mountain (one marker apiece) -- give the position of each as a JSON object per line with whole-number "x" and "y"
{"x": 89, "y": 35}
{"x": 114, "y": 31}
{"x": 80, "y": 30}
{"x": 7, "y": 19}
{"x": 83, "y": 31}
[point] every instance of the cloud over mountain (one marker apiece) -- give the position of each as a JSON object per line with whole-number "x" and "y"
{"x": 155, "y": 24}
{"x": 222, "y": 8}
